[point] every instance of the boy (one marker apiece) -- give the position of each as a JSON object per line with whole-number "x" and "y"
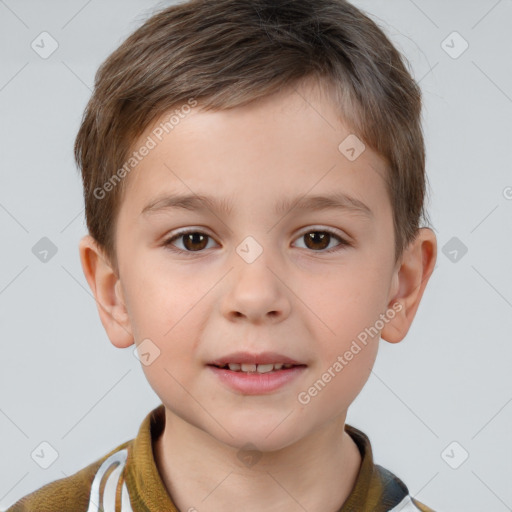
{"x": 283, "y": 138}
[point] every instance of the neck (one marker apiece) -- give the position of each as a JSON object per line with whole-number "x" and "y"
{"x": 316, "y": 473}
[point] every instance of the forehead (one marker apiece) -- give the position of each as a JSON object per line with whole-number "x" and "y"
{"x": 276, "y": 148}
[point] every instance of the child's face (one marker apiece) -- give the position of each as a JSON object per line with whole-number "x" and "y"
{"x": 295, "y": 298}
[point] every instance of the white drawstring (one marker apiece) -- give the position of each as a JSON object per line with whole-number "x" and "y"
{"x": 109, "y": 494}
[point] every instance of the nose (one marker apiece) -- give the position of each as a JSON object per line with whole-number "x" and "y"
{"x": 256, "y": 292}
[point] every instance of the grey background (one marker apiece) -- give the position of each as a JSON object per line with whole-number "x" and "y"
{"x": 61, "y": 380}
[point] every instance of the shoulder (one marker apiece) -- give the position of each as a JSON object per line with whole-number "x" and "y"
{"x": 72, "y": 493}
{"x": 409, "y": 504}
{"x": 393, "y": 487}
{"x": 377, "y": 488}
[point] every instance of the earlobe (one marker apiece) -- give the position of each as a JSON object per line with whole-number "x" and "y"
{"x": 106, "y": 288}
{"x": 416, "y": 267}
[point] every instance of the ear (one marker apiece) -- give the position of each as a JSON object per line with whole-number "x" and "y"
{"x": 409, "y": 282}
{"x": 106, "y": 287}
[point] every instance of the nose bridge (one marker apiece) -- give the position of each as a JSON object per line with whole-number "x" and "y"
{"x": 253, "y": 248}
{"x": 255, "y": 258}
{"x": 256, "y": 233}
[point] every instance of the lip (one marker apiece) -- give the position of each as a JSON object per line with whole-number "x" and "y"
{"x": 248, "y": 358}
{"x": 255, "y": 383}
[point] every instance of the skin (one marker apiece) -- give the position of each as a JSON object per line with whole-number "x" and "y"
{"x": 295, "y": 298}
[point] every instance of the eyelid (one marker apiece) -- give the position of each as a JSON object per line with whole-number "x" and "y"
{"x": 321, "y": 227}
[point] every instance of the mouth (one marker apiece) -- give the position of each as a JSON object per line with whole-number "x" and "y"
{"x": 256, "y": 368}
{"x": 264, "y": 362}
{"x": 256, "y": 374}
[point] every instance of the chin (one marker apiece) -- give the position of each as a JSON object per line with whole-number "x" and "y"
{"x": 263, "y": 437}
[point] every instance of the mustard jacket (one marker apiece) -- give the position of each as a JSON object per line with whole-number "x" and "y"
{"x": 127, "y": 480}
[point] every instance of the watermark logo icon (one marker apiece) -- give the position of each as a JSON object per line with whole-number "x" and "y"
{"x": 352, "y": 147}
{"x": 454, "y": 455}
{"x": 249, "y": 455}
{"x": 44, "y": 45}
{"x": 455, "y": 45}
{"x": 44, "y": 455}
{"x": 249, "y": 249}
{"x": 146, "y": 352}
{"x": 454, "y": 249}
{"x": 44, "y": 250}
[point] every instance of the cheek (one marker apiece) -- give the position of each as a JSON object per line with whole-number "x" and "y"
{"x": 170, "y": 328}
{"x": 336, "y": 384}
{"x": 347, "y": 308}
{"x": 345, "y": 303}
{"x": 167, "y": 306}
{"x": 156, "y": 297}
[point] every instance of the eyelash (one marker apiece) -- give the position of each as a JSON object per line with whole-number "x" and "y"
{"x": 342, "y": 245}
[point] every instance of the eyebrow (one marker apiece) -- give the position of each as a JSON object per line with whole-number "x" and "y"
{"x": 197, "y": 202}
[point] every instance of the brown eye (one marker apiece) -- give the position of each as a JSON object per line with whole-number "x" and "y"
{"x": 192, "y": 241}
{"x": 317, "y": 240}
{"x": 320, "y": 240}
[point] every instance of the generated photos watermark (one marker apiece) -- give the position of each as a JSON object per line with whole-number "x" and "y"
{"x": 304, "y": 397}
{"x": 151, "y": 142}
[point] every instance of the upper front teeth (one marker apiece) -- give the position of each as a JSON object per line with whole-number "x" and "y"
{"x": 260, "y": 368}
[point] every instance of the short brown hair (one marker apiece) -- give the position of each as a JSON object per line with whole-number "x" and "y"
{"x": 226, "y": 53}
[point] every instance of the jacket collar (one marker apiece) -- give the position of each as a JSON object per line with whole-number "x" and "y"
{"x": 374, "y": 485}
